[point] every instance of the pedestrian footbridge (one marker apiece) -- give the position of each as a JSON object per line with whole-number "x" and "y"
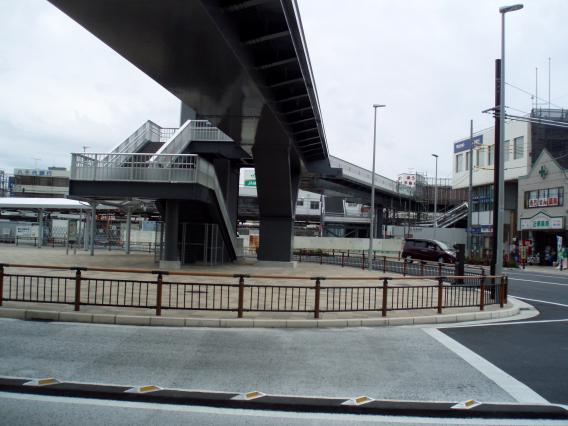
{"x": 154, "y": 164}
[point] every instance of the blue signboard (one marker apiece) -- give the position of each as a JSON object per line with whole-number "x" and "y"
{"x": 465, "y": 145}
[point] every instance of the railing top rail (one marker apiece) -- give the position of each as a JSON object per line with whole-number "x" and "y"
{"x": 89, "y": 155}
{"x": 236, "y": 275}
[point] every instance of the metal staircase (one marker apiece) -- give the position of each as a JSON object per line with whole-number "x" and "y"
{"x": 448, "y": 218}
{"x": 128, "y": 163}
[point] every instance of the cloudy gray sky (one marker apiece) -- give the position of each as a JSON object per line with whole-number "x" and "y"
{"x": 431, "y": 62}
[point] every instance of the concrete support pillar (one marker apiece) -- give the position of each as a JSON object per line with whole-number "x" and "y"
{"x": 79, "y": 228}
{"x": 86, "y": 232}
{"x": 39, "y": 241}
{"x": 171, "y": 222}
{"x": 128, "y": 227}
{"x": 93, "y": 227}
{"x": 379, "y": 222}
{"x": 277, "y": 186}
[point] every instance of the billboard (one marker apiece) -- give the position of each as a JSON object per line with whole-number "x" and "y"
{"x": 249, "y": 177}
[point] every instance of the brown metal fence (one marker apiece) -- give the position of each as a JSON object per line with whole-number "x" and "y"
{"x": 315, "y": 295}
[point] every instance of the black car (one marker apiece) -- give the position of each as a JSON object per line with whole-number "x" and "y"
{"x": 422, "y": 249}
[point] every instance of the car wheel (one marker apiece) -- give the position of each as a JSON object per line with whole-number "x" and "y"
{"x": 440, "y": 259}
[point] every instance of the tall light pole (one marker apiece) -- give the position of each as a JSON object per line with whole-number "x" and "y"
{"x": 498, "y": 267}
{"x": 372, "y": 209}
{"x": 435, "y": 196}
{"x": 469, "y": 193}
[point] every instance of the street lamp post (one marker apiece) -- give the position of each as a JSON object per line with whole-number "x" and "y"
{"x": 372, "y": 209}
{"x": 469, "y": 193}
{"x": 435, "y": 196}
{"x": 498, "y": 257}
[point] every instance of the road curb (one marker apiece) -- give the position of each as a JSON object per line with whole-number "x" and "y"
{"x": 164, "y": 321}
{"x": 257, "y": 400}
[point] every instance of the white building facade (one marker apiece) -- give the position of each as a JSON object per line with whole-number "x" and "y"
{"x": 517, "y": 163}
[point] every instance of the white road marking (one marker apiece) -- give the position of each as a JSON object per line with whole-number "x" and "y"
{"x": 343, "y": 418}
{"x": 521, "y": 392}
{"x": 541, "y": 282}
{"x": 540, "y": 301}
{"x": 559, "y": 274}
{"x": 502, "y": 323}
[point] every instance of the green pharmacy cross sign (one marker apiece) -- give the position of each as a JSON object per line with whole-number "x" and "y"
{"x": 543, "y": 172}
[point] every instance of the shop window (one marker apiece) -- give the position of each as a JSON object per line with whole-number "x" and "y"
{"x": 490, "y": 155}
{"x": 551, "y": 197}
{"x": 519, "y": 148}
{"x": 480, "y": 160}
{"x": 467, "y": 161}
{"x": 300, "y": 203}
{"x": 507, "y": 151}
{"x": 314, "y": 205}
{"x": 459, "y": 163}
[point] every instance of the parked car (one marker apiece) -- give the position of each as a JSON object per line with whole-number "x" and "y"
{"x": 436, "y": 251}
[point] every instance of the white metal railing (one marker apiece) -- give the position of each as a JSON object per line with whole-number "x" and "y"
{"x": 192, "y": 130}
{"x": 449, "y": 217}
{"x": 134, "y": 167}
{"x": 148, "y": 132}
{"x": 365, "y": 176}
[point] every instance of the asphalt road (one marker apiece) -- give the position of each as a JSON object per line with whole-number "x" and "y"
{"x": 383, "y": 363}
{"x": 535, "y": 352}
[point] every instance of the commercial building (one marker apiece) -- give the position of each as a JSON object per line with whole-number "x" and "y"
{"x": 517, "y": 163}
{"x": 542, "y": 212}
{"x": 534, "y": 142}
{"x": 52, "y": 182}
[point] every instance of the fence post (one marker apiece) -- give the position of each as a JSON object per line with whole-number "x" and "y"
{"x": 159, "y": 295}
{"x": 1, "y": 283}
{"x": 422, "y": 267}
{"x": 506, "y": 289}
{"x": 385, "y": 291}
{"x": 440, "y": 289}
{"x": 301, "y": 256}
{"x": 77, "y": 289}
{"x": 342, "y": 259}
{"x": 384, "y": 264}
{"x": 502, "y": 292}
{"x": 404, "y": 268}
{"x": 439, "y": 269}
{"x": 241, "y": 296}
{"x": 317, "y": 299}
{"x": 321, "y": 257}
{"x": 363, "y": 261}
{"x": 482, "y": 293}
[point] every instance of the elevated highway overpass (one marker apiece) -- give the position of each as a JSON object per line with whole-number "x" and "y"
{"x": 242, "y": 66}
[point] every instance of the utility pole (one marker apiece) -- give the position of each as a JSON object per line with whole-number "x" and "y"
{"x": 435, "y": 196}
{"x": 469, "y": 203}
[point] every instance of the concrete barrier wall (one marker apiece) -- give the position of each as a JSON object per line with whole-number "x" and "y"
{"x": 389, "y": 247}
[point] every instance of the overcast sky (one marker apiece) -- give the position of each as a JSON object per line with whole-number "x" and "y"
{"x": 431, "y": 62}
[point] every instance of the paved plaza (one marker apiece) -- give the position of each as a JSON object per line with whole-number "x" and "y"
{"x": 300, "y": 277}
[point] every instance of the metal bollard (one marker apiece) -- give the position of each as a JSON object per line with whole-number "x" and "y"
{"x": 77, "y": 289}
{"x": 317, "y": 298}
{"x": 1, "y": 283}
{"x": 160, "y": 283}
{"x": 385, "y": 293}
{"x": 241, "y": 296}
{"x": 482, "y": 293}
{"x": 440, "y": 292}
